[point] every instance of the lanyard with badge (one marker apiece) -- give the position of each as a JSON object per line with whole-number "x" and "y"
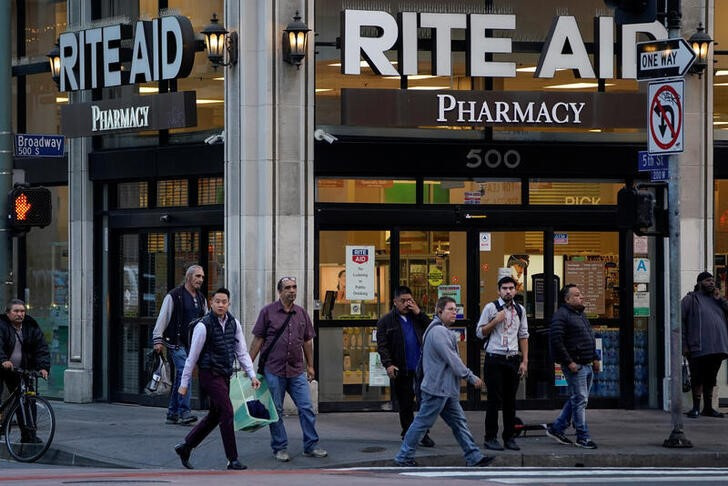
{"x": 507, "y": 325}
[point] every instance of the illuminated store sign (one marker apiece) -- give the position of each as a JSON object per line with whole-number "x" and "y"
{"x": 409, "y": 108}
{"x": 162, "y": 49}
{"x": 563, "y": 48}
{"x": 158, "y": 112}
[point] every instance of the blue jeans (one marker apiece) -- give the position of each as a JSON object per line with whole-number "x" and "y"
{"x": 574, "y": 411}
{"x": 297, "y": 388}
{"x": 179, "y": 406}
{"x": 452, "y": 413}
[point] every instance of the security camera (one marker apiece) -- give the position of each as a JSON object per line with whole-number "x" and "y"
{"x": 164, "y": 218}
{"x": 320, "y": 134}
{"x": 216, "y": 138}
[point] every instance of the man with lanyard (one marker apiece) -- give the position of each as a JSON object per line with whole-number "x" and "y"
{"x": 284, "y": 333}
{"x": 504, "y": 327}
{"x": 399, "y": 340}
{"x": 180, "y": 307}
{"x": 217, "y": 342}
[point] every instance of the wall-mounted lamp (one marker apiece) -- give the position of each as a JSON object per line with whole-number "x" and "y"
{"x": 54, "y": 58}
{"x": 295, "y": 40}
{"x": 700, "y": 41}
{"x": 218, "y": 40}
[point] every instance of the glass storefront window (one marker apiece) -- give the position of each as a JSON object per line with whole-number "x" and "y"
{"x": 582, "y": 193}
{"x": 215, "y": 271}
{"x": 332, "y": 275}
{"x": 210, "y": 190}
{"x": 460, "y": 191}
{"x": 533, "y": 21}
{"x": 373, "y": 191}
{"x": 47, "y": 292}
{"x": 132, "y": 195}
{"x": 204, "y": 79}
{"x": 172, "y": 193}
{"x": 433, "y": 264}
{"x": 186, "y": 253}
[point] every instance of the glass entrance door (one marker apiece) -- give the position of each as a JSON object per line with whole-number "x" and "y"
{"x": 148, "y": 265}
{"x": 518, "y": 254}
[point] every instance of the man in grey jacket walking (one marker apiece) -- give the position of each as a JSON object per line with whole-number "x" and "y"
{"x": 440, "y": 389}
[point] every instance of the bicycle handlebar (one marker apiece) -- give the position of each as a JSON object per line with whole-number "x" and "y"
{"x": 28, "y": 373}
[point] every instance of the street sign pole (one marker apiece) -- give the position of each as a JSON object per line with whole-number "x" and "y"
{"x": 677, "y": 437}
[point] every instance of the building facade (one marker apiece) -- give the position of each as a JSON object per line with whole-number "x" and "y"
{"x": 436, "y": 146}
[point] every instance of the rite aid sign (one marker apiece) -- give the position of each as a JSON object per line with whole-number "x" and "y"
{"x": 369, "y": 34}
{"x": 162, "y": 49}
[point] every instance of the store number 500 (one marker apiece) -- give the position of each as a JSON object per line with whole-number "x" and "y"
{"x": 493, "y": 158}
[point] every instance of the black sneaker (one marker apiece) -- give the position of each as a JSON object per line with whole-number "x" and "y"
{"x": 187, "y": 419}
{"x": 484, "y": 462}
{"x": 493, "y": 445}
{"x": 585, "y": 444}
{"x": 693, "y": 413}
{"x": 558, "y": 436}
{"x": 405, "y": 463}
{"x": 171, "y": 420}
{"x": 511, "y": 444}
{"x": 427, "y": 441}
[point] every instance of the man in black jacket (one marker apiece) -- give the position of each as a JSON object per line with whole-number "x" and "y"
{"x": 574, "y": 347}
{"x": 22, "y": 344}
{"x": 399, "y": 340}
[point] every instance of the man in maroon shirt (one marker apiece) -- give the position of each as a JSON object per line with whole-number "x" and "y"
{"x": 284, "y": 333}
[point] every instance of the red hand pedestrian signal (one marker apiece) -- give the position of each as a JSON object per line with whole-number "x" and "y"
{"x": 28, "y": 207}
{"x": 22, "y": 206}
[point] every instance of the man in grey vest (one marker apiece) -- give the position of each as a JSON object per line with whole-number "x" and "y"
{"x": 180, "y": 306}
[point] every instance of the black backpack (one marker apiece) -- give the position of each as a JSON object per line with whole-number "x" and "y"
{"x": 419, "y": 370}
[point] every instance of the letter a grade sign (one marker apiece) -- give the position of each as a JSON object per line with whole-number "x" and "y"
{"x": 665, "y": 117}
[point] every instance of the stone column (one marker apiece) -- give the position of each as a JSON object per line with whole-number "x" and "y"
{"x": 78, "y": 377}
{"x": 268, "y": 159}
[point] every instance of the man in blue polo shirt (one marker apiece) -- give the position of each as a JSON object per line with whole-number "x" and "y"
{"x": 399, "y": 340}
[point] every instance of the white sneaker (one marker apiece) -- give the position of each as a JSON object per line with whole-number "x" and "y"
{"x": 282, "y": 455}
{"x": 316, "y": 452}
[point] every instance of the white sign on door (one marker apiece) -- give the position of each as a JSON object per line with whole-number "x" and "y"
{"x": 641, "y": 272}
{"x": 359, "y": 272}
{"x": 484, "y": 241}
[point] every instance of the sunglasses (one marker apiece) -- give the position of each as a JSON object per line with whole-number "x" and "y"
{"x": 280, "y": 282}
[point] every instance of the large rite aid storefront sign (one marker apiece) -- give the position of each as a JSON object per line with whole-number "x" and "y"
{"x": 370, "y": 34}
{"x": 154, "y": 50}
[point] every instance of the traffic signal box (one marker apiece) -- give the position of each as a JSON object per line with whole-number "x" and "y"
{"x": 638, "y": 210}
{"x": 633, "y": 11}
{"x": 28, "y": 207}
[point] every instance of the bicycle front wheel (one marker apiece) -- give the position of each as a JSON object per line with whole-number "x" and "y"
{"x": 29, "y": 428}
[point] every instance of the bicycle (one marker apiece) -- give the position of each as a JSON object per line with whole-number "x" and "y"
{"x": 29, "y": 424}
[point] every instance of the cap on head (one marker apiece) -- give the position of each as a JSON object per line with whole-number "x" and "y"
{"x": 703, "y": 275}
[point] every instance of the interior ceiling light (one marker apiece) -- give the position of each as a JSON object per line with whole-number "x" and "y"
{"x": 576, "y": 86}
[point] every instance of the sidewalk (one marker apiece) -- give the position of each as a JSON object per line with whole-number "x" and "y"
{"x": 117, "y": 435}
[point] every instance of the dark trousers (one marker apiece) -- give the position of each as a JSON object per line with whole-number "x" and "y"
{"x": 404, "y": 394}
{"x": 501, "y": 380}
{"x": 704, "y": 370}
{"x": 221, "y": 413}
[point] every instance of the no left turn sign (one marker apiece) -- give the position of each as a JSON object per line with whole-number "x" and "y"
{"x": 665, "y": 117}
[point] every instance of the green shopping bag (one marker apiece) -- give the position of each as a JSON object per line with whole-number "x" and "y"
{"x": 241, "y": 392}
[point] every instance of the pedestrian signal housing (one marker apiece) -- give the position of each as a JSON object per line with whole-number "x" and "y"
{"x": 28, "y": 207}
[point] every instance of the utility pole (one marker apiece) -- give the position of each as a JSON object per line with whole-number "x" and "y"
{"x": 677, "y": 437}
{"x": 6, "y": 146}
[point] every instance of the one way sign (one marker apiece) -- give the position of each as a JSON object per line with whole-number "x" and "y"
{"x": 664, "y": 59}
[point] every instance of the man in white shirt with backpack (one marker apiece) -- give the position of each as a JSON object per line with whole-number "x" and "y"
{"x": 504, "y": 327}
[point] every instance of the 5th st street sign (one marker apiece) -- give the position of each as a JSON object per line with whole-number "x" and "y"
{"x": 669, "y": 58}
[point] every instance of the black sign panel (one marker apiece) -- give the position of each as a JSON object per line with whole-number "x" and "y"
{"x": 409, "y": 108}
{"x": 135, "y": 113}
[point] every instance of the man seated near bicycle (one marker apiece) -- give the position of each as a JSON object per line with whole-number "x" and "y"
{"x": 22, "y": 345}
